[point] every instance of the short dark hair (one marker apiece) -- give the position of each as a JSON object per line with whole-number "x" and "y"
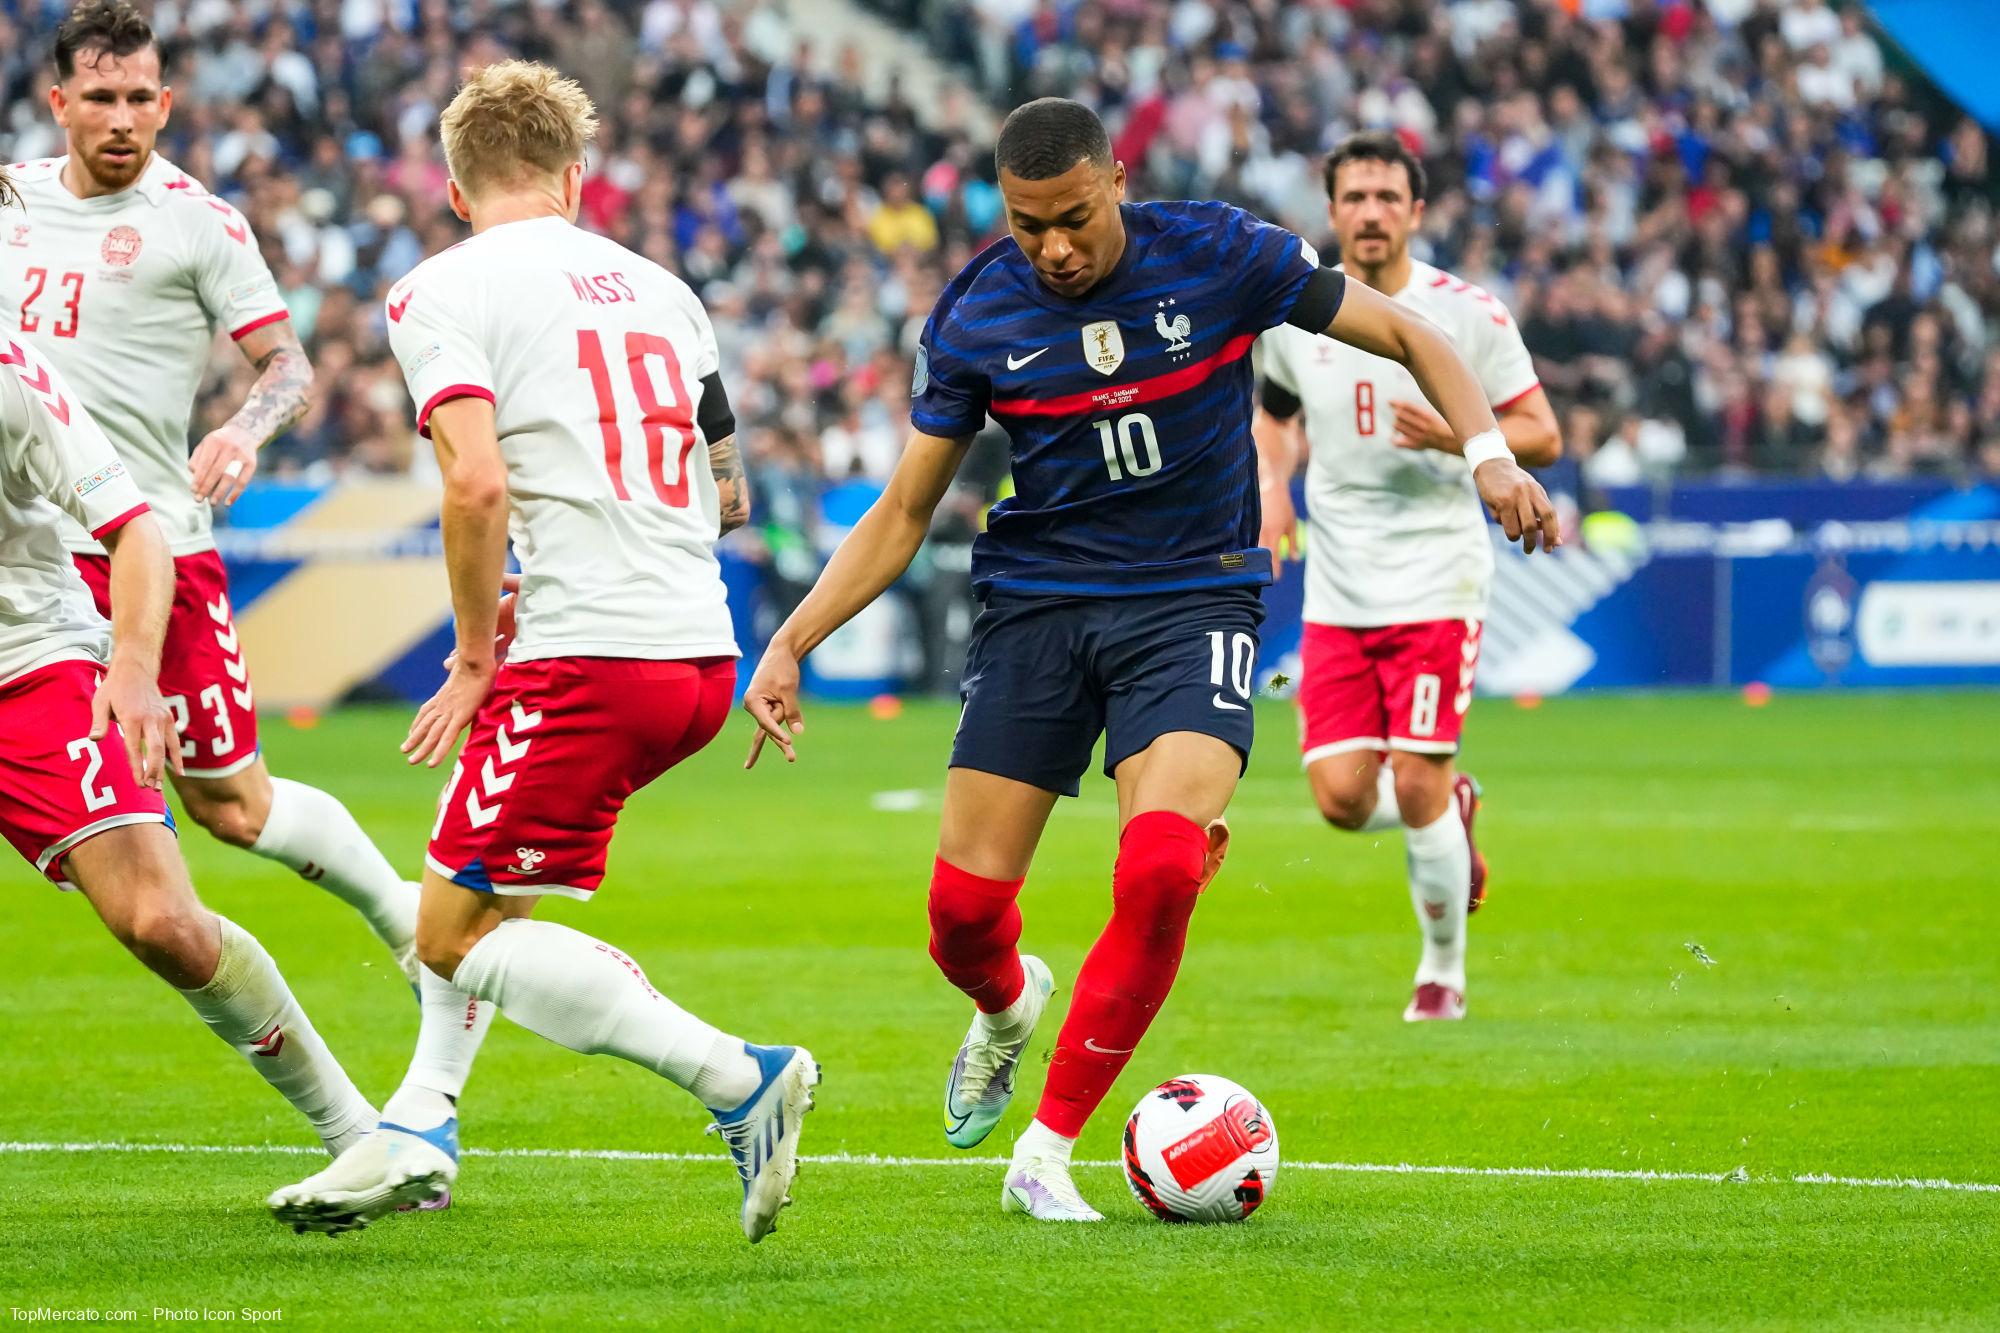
{"x": 1377, "y": 146}
{"x": 110, "y": 27}
{"x": 1048, "y": 136}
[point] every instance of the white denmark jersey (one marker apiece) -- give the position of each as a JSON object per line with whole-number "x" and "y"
{"x": 54, "y": 462}
{"x": 1396, "y": 536}
{"x": 124, "y": 292}
{"x": 593, "y": 358}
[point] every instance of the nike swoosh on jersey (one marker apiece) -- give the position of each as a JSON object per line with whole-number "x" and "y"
{"x": 1012, "y": 364}
{"x": 1090, "y": 1044}
{"x": 1221, "y": 702}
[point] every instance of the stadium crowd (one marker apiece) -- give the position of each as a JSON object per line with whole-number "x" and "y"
{"x": 1736, "y": 237}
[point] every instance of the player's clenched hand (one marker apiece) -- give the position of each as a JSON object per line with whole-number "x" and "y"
{"x": 510, "y": 586}
{"x": 144, "y": 722}
{"x": 222, "y": 465}
{"x": 447, "y": 713}
{"x": 1419, "y": 427}
{"x": 773, "y": 702}
{"x": 1518, "y": 502}
{"x": 1280, "y": 532}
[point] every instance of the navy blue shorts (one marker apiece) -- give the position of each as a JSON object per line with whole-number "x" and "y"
{"x": 1044, "y": 676}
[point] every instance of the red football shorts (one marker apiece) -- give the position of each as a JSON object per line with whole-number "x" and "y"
{"x": 57, "y": 786}
{"x": 202, "y": 673}
{"x": 1396, "y": 687}
{"x": 551, "y": 757}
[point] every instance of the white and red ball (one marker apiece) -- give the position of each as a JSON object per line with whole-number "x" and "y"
{"x": 1199, "y": 1148}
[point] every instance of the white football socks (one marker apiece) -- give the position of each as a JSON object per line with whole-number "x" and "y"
{"x": 248, "y": 1005}
{"x": 1040, "y": 1143}
{"x": 1386, "y": 814}
{"x": 452, "y": 1026}
{"x": 312, "y": 834}
{"x": 1440, "y": 863}
{"x": 581, "y": 993}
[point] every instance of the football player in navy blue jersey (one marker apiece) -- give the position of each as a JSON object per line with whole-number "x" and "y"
{"x": 1120, "y": 583}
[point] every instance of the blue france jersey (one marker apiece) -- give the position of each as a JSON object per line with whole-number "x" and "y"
{"x": 1128, "y": 408}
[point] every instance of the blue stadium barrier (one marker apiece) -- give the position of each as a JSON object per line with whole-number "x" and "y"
{"x": 1860, "y": 585}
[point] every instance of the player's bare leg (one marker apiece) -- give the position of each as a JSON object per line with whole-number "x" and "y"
{"x": 1435, "y": 804}
{"x": 135, "y": 879}
{"x": 990, "y": 829}
{"x": 578, "y": 992}
{"x": 1171, "y": 797}
{"x": 311, "y": 833}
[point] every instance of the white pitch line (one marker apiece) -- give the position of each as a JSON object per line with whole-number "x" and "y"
{"x": 24, "y": 1147}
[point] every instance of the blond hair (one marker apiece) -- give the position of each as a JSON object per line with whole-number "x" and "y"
{"x": 515, "y": 120}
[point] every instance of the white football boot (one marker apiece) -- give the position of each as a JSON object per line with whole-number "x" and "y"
{"x": 1041, "y": 1188}
{"x": 763, "y": 1133}
{"x": 981, "y": 1082}
{"x": 389, "y": 1169}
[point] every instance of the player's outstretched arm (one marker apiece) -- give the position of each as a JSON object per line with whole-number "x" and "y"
{"x": 142, "y": 593}
{"x": 872, "y": 557}
{"x": 474, "y": 519}
{"x": 1528, "y": 424}
{"x": 1277, "y": 460}
{"x": 1374, "y": 323}
{"x": 226, "y": 459}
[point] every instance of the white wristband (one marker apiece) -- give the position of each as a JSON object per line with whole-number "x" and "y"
{"x": 1485, "y": 447}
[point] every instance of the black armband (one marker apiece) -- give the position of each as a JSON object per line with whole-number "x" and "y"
{"x": 1279, "y": 401}
{"x": 1319, "y": 300}
{"x": 716, "y": 420}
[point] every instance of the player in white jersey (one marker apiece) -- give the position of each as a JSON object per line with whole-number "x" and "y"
{"x": 122, "y": 268}
{"x": 1397, "y": 558}
{"x": 567, "y": 384}
{"x": 85, "y": 737}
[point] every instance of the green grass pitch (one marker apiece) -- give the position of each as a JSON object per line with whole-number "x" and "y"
{"x": 1831, "y": 854}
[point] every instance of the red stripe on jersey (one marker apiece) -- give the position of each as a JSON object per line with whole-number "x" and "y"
{"x": 119, "y": 522}
{"x": 445, "y": 395}
{"x": 1502, "y": 407}
{"x": 257, "y": 324}
{"x": 1125, "y": 395}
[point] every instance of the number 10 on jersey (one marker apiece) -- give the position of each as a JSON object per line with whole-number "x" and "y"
{"x": 1130, "y": 441}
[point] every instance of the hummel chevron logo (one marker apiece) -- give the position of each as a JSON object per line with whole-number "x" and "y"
{"x": 1012, "y": 364}
{"x": 218, "y": 610}
{"x": 492, "y": 779}
{"x": 270, "y": 1043}
{"x": 237, "y": 671}
{"x": 227, "y": 638}
{"x": 480, "y": 815}
{"x": 397, "y": 307}
{"x": 510, "y": 750}
{"x": 242, "y": 696}
{"x": 526, "y": 721}
{"x": 38, "y": 383}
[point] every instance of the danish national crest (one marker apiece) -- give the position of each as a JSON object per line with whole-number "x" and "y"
{"x": 1103, "y": 346}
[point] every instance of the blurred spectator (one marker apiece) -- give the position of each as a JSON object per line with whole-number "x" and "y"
{"x": 1720, "y": 222}
{"x": 1733, "y": 236}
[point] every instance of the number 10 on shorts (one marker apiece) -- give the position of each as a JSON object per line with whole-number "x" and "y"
{"x": 1232, "y": 661}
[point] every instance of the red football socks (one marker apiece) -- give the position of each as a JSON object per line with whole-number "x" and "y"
{"x": 1130, "y": 969}
{"x": 975, "y": 925}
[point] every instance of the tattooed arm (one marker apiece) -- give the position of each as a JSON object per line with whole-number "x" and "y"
{"x": 727, "y": 464}
{"x": 226, "y": 459}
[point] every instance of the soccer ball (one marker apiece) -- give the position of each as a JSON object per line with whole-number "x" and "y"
{"x": 1199, "y": 1148}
